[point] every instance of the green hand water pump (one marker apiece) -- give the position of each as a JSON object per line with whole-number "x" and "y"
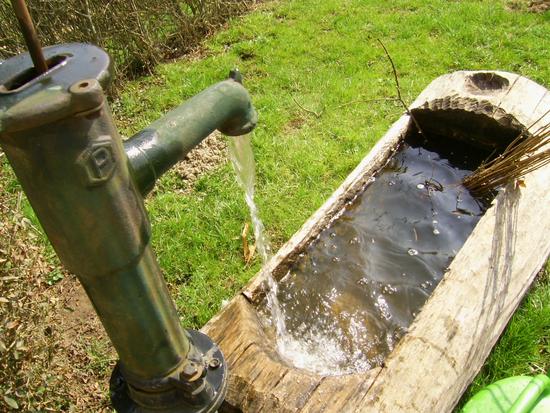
{"x": 86, "y": 187}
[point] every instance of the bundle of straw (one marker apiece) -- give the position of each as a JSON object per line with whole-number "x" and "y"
{"x": 525, "y": 154}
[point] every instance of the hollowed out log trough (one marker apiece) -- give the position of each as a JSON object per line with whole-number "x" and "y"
{"x": 451, "y": 337}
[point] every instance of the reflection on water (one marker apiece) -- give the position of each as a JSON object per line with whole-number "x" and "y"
{"x": 355, "y": 290}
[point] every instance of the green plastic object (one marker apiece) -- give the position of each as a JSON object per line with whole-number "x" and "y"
{"x": 519, "y": 394}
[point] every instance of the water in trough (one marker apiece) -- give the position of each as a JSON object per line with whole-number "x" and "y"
{"x": 354, "y": 291}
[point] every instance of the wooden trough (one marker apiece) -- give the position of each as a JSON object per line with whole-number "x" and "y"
{"x": 446, "y": 345}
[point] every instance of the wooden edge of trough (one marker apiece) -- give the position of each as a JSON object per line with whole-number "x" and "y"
{"x": 459, "y": 324}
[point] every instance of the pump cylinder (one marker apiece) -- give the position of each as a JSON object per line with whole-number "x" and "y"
{"x": 57, "y": 132}
{"x": 74, "y": 172}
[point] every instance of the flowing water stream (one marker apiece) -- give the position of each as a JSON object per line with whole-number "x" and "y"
{"x": 242, "y": 159}
{"x": 354, "y": 291}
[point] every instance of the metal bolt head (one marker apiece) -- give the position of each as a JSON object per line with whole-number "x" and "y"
{"x": 191, "y": 372}
{"x": 214, "y": 363}
{"x": 236, "y": 75}
{"x": 189, "y": 369}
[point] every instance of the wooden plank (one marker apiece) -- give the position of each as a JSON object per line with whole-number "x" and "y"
{"x": 541, "y": 113}
{"x": 524, "y": 99}
{"x": 333, "y": 392}
{"x": 260, "y": 381}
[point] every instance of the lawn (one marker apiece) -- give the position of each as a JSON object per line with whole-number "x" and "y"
{"x": 323, "y": 56}
{"x": 325, "y": 92}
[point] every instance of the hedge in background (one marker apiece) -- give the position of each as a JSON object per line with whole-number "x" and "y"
{"x": 138, "y": 34}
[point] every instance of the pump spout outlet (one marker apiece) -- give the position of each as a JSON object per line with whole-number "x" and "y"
{"x": 225, "y": 106}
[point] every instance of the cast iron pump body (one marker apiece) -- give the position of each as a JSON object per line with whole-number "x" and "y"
{"x": 86, "y": 187}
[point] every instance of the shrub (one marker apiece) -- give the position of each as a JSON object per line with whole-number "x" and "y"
{"x": 137, "y": 34}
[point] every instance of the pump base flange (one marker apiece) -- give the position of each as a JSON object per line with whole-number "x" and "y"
{"x": 216, "y": 376}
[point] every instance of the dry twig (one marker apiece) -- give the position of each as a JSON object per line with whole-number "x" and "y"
{"x": 312, "y": 112}
{"x": 248, "y": 251}
{"x": 398, "y": 88}
{"x": 525, "y": 154}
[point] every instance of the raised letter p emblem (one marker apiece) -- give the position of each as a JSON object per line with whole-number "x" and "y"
{"x": 98, "y": 161}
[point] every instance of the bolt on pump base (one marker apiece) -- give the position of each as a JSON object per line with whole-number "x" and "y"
{"x": 86, "y": 188}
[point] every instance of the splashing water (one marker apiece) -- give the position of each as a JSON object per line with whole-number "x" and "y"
{"x": 242, "y": 158}
{"x": 314, "y": 350}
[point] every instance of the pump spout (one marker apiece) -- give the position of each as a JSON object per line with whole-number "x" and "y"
{"x": 225, "y": 106}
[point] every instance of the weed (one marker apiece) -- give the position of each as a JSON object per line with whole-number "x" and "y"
{"x": 55, "y": 276}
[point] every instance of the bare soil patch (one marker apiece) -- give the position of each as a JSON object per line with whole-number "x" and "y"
{"x": 539, "y": 6}
{"x": 534, "y": 6}
{"x": 206, "y": 157}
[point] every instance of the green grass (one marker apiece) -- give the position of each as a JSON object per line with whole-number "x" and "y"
{"x": 324, "y": 55}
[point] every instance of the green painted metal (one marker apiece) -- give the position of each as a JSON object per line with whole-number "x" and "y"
{"x": 58, "y": 134}
{"x": 225, "y": 106}
{"x": 520, "y": 394}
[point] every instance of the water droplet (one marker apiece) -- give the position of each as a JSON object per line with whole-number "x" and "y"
{"x": 436, "y": 231}
{"x": 403, "y": 274}
{"x": 389, "y": 289}
{"x": 426, "y": 285}
{"x": 391, "y": 183}
{"x": 332, "y": 234}
{"x": 354, "y": 240}
{"x": 420, "y": 186}
{"x": 434, "y": 221}
{"x": 335, "y": 259}
{"x": 412, "y": 252}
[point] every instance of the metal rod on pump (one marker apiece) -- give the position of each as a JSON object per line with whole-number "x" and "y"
{"x": 29, "y": 33}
